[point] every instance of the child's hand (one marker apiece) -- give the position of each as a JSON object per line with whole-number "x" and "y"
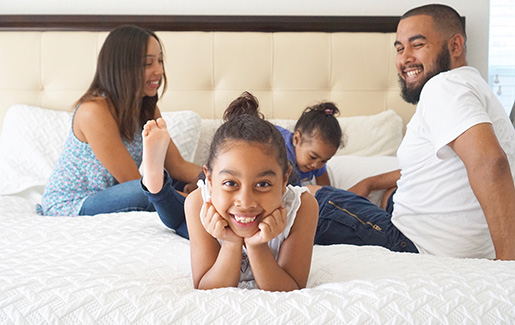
{"x": 217, "y": 226}
{"x": 270, "y": 227}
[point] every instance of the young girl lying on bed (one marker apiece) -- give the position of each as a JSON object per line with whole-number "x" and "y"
{"x": 315, "y": 139}
{"x": 247, "y": 227}
{"x": 97, "y": 171}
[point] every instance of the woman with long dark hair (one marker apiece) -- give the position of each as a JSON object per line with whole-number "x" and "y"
{"x": 98, "y": 170}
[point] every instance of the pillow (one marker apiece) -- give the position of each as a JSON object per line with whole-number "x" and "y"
{"x": 284, "y": 123}
{"x": 372, "y": 135}
{"x": 346, "y": 171}
{"x": 184, "y": 129}
{"x": 208, "y": 129}
{"x": 32, "y": 139}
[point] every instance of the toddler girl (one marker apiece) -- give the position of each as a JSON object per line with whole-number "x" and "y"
{"x": 316, "y": 138}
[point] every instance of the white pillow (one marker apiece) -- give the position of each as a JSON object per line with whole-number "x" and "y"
{"x": 207, "y": 130}
{"x": 346, "y": 171}
{"x": 371, "y": 135}
{"x": 209, "y": 127}
{"x": 32, "y": 139}
{"x": 184, "y": 129}
{"x": 284, "y": 123}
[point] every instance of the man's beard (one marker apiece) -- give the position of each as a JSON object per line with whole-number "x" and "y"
{"x": 443, "y": 63}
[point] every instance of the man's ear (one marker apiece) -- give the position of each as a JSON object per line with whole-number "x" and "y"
{"x": 457, "y": 45}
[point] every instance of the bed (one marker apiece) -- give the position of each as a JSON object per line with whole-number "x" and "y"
{"x": 128, "y": 267}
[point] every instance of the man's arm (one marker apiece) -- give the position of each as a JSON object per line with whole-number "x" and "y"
{"x": 383, "y": 181}
{"x": 490, "y": 177}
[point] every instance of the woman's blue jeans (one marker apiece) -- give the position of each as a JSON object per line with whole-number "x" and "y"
{"x": 133, "y": 196}
{"x": 123, "y": 197}
{"x": 347, "y": 218}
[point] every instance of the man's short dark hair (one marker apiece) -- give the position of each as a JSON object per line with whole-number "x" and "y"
{"x": 446, "y": 19}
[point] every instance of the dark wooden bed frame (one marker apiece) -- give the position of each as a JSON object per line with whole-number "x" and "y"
{"x": 380, "y": 24}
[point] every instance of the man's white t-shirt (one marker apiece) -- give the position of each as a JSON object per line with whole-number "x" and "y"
{"x": 434, "y": 203}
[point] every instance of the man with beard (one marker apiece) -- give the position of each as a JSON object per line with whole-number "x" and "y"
{"x": 455, "y": 191}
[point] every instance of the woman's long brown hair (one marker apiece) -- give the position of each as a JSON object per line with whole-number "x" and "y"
{"x": 120, "y": 76}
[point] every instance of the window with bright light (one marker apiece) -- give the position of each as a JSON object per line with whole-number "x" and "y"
{"x": 501, "y": 58}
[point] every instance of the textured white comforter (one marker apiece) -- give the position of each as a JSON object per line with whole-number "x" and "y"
{"x": 129, "y": 268}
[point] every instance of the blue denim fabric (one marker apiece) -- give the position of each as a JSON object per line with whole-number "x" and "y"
{"x": 389, "y": 203}
{"x": 118, "y": 198}
{"x": 347, "y": 218}
{"x": 169, "y": 205}
{"x": 133, "y": 196}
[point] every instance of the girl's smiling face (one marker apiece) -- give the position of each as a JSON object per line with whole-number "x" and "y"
{"x": 247, "y": 184}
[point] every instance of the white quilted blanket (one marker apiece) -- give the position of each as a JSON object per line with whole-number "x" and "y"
{"x": 128, "y": 268}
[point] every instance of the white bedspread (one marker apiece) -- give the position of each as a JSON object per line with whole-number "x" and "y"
{"x": 129, "y": 268}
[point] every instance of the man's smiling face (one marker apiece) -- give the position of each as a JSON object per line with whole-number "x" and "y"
{"x": 421, "y": 54}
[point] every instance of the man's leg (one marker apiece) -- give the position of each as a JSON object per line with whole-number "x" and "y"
{"x": 347, "y": 218}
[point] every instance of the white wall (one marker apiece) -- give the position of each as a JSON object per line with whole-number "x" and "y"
{"x": 476, "y": 12}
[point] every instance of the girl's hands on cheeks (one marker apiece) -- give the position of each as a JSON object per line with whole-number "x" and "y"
{"x": 217, "y": 226}
{"x": 270, "y": 227}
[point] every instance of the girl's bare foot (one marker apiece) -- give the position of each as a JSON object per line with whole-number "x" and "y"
{"x": 155, "y": 144}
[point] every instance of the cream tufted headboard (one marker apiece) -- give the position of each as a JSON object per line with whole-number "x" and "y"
{"x": 287, "y": 62}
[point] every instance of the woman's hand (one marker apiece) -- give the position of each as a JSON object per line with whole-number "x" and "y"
{"x": 270, "y": 227}
{"x": 217, "y": 226}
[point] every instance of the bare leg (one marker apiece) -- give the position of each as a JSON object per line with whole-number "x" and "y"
{"x": 155, "y": 144}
